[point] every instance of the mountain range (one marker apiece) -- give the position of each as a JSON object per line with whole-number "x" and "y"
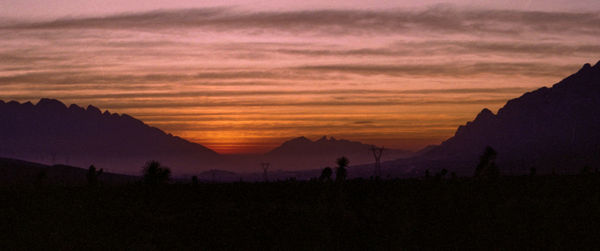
{"x": 51, "y": 133}
{"x": 20, "y": 172}
{"x": 301, "y": 153}
{"x": 554, "y": 129}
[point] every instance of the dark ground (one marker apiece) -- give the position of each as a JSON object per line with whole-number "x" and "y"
{"x": 544, "y": 212}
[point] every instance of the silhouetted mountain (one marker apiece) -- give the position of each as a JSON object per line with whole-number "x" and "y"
{"x": 302, "y": 153}
{"x": 555, "y": 128}
{"x": 300, "y": 156}
{"x": 21, "y": 172}
{"x": 49, "y": 132}
{"x": 425, "y": 150}
{"x": 327, "y": 146}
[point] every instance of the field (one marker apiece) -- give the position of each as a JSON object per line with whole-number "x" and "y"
{"x": 525, "y": 212}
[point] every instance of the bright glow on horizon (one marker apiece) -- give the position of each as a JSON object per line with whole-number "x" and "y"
{"x": 244, "y": 81}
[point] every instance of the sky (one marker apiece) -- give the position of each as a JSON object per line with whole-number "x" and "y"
{"x": 244, "y": 76}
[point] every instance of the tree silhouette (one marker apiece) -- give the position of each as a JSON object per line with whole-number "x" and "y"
{"x": 340, "y": 172}
{"x": 326, "y": 174}
{"x": 92, "y": 175}
{"x": 194, "y": 180}
{"x": 487, "y": 165}
{"x": 155, "y": 173}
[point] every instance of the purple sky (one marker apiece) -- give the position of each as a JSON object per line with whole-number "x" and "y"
{"x": 74, "y": 8}
{"x": 243, "y": 76}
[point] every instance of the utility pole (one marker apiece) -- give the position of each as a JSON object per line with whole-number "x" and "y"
{"x": 377, "y": 152}
{"x": 265, "y": 167}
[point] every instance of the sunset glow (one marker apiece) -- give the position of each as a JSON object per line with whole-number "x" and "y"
{"x": 239, "y": 79}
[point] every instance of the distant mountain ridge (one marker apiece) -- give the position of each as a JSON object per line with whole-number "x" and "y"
{"x": 18, "y": 172}
{"x": 324, "y": 151}
{"x": 550, "y": 129}
{"x": 324, "y": 145}
{"x": 50, "y": 132}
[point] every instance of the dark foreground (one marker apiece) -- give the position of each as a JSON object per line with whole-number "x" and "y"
{"x": 551, "y": 212}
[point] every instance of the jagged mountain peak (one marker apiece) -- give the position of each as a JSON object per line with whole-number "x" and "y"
{"x": 587, "y": 66}
{"x": 584, "y": 77}
{"x": 54, "y": 105}
{"x": 548, "y": 125}
{"x": 303, "y": 153}
{"x": 301, "y": 145}
{"x": 50, "y": 131}
{"x": 46, "y": 101}
{"x": 324, "y": 139}
{"x": 93, "y": 109}
{"x": 298, "y": 140}
{"x": 484, "y": 115}
{"x": 74, "y": 107}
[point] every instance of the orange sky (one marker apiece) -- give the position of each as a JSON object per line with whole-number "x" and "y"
{"x": 242, "y": 81}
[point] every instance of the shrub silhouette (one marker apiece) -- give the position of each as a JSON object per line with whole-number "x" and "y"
{"x": 439, "y": 176}
{"x": 487, "y": 168}
{"x": 194, "y": 180}
{"x": 532, "y": 172}
{"x": 340, "y": 172}
{"x": 585, "y": 171}
{"x": 92, "y": 175}
{"x": 155, "y": 173}
{"x": 326, "y": 174}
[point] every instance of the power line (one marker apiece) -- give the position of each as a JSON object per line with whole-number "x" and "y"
{"x": 265, "y": 167}
{"x": 377, "y": 152}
